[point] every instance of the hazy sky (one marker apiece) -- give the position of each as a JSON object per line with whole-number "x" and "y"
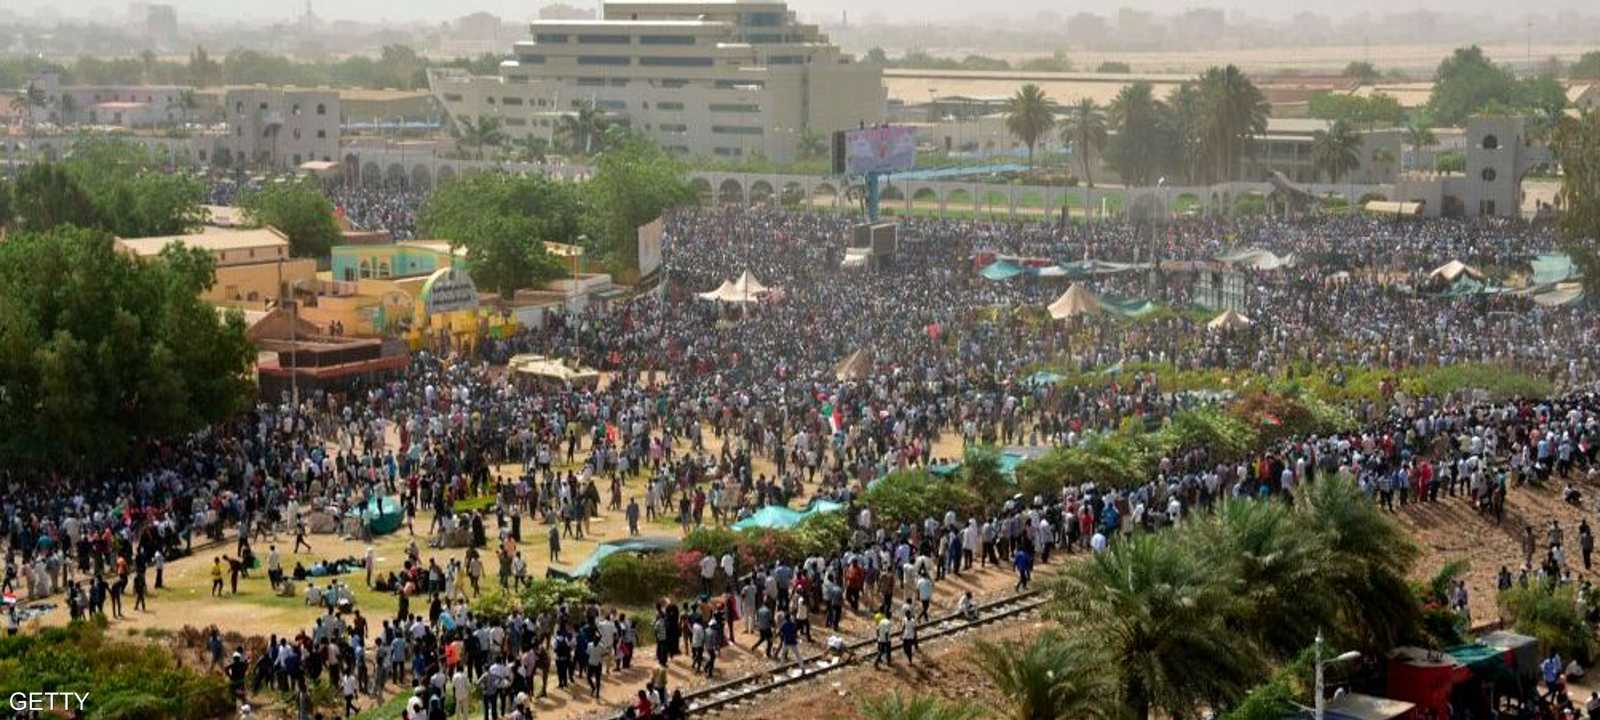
{"x": 902, "y": 11}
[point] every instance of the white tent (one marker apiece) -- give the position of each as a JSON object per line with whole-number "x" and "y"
{"x": 1074, "y": 302}
{"x": 1454, "y": 269}
{"x": 1229, "y": 320}
{"x": 553, "y": 369}
{"x": 1258, "y": 259}
{"x": 746, "y": 289}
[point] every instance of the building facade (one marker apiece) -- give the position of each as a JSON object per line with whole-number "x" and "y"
{"x": 280, "y": 128}
{"x": 714, "y": 79}
{"x": 1499, "y": 154}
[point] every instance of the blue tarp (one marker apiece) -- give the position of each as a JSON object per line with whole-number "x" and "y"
{"x": 1551, "y": 269}
{"x": 1001, "y": 270}
{"x": 777, "y": 517}
{"x": 1042, "y": 378}
{"x": 604, "y": 550}
{"x": 381, "y": 515}
{"x": 956, "y": 172}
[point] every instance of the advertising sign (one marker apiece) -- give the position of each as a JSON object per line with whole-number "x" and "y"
{"x": 880, "y": 149}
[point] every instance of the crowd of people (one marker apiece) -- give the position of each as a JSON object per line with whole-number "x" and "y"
{"x": 733, "y": 408}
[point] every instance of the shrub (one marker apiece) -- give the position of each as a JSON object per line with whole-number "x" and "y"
{"x": 713, "y": 541}
{"x": 1552, "y": 615}
{"x": 914, "y": 495}
{"x": 633, "y": 579}
{"x": 981, "y": 469}
{"x": 823, "y": 533}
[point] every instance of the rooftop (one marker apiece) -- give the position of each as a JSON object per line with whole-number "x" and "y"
{"x": 210, "y": 239}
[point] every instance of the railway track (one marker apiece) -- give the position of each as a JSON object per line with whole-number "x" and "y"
{"x": 728, "y": 694}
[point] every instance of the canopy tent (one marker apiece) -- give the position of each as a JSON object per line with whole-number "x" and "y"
{"x": 855, "y": 367}
{"x": 1074, "y": 302}
{"x": 746, "y": 289}
{"x": 1552, "y": 269}
{"x": 552, "y": 369}
{"x": 1390, "y": 207}
{"x": 637, "y": 545}
{"x": 777, "y": 517}
{"x": 1128, "y": 307}
{"x": 1086, "y": 268}
{"x": 1001, "y": 270}
{"x": 381, "y": 515}
{"x": 1454, "y": 269}
{"x": 1559, "y": 295}
{"x": 1357, "y": 706}
{"x": 1258, "y": 259}
{"x": 1229, "y": 320}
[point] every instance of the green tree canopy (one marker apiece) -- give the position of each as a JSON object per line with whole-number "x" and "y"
{"x": 1379, "y": 109}
{"x": 1467, "y": 83}
{"x": 1140, "y": 147}
{"x": 1029, "y": 116}
{"x": 1362, "y": 70}
{"x": 503, "y": 221}
{"x": 102, "y": 352}
{"x": 1577, "y": 147}
{"x": 1587, "y": 67}
{"x": 635, "y": 181}
{"x": 299, "y": 210}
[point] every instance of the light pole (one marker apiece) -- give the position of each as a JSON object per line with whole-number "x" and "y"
{"x": 1321, "y": 705}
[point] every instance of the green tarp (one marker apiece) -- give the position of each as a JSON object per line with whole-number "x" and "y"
{"x": 1001, "y": 270}
{"x": 1551, "y": 269}
{"x": 381, "y": 515}
{"x": 777, "y": 517}
{"x": 1128, "y": 307}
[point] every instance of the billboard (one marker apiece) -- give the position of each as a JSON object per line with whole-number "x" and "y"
{"x": 889, "y": 148}
{"x": 449, "y": 289}
{"x": 649, "y": 247}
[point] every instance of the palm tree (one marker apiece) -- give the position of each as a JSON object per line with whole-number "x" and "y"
{"x": 1047, "y": 679}
{"x": 1085, "y": 130}
{"x": 1029, "y": 116}
{"x": 1336, "y": 150}
{"x": 1137, "y": 149}
{"x": 186, "y": 102}
{"x": 25, "y": 101}
{"x": 1370, "y": 558}
{"x": 894, "y": 706}
{"x": 1274, "y": 564}
{"x": 812, "y": 144}
{"x": 1234, "y": 111}
{"x": 583, "y": 127}
{"x": 479, "y": 133}
{"x": 1185, "y": 126}
{"x": 1418, "y": 136}
{"x": 531, "y": 148}
{"x": 1155, "y": 614}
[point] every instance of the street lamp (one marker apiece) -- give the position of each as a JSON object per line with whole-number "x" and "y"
{"x": 1321, "y": 704}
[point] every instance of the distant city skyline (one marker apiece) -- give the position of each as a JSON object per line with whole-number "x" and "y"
{"x": 892, "y": 11}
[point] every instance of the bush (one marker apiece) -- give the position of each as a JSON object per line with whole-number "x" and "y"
{"x": 1552, "y": 615}
{"x": 1225, "y": 436}
{"x": 713, "y": 541}
{"x": 633, "y": 579}
{"x": 127, "y": 680}
{"x": 981, "y": 468}
{"x": 823, "y": 534}
{"x": 915, "y": 495}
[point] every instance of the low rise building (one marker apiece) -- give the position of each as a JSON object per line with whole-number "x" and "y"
{"x": 253, "y": 265}
{"x": 280, "y": 128}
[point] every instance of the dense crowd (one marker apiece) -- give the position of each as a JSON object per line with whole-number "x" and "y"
{"x": 732, "y": 408}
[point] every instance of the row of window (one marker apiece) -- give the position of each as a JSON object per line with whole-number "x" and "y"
{"x": 645, "y": 61}
{"x": 735, "y": 130}
{"x": 238, "y": 108}
{"x": 608, "y": 104}
{"x": 601, "y": 39}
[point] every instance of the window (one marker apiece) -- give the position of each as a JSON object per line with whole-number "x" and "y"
{"x": 297, "y": 133}
{"x": 550, "y": 38}
{"x": 515, "y": 122}
{"x": 666, "y": 39}
{"x": 611, "y": 104}
{"x": 528, "y": 60}
{"x": 489, "y": 100}
{"x": 263, "y": 105}
{"x": 591, "y": 82}
{"x": 511, "y": 101}
{"x": 618, "y": 82}
{"x": 786, "y": 60}
{"x": 602, "y": 60}
{"x": 728, "y": 152}
{"x": 295, "y": 109}
{"x": 763, "y": 38}
{"x": 678, "y": 149}
{"x": 740, "y": 84}
{"x": 322, "y": 109}
{"x": 603, "y": 40}
{"x": 669, "y": 106}
{"x": 452, "y": 97}
{"x": 735, "y": 130}
{"x": 673, "y": 127}
{"x": 674, "y": 83}
{"x": 735, "y": 107}
{"x": 676, "y": 61}
{"x": 1488, "y": 175}
{"x": 1490, "y": 142}
{"x": 1485, "y": 207}
{"x": 762, "y": 19}
{"x": 238, "y": 108}
{"x": 322, "y": 134}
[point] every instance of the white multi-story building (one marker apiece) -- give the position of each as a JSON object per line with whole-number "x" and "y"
{"x": 729, "y": 78}
{"x": 280, "y": 128}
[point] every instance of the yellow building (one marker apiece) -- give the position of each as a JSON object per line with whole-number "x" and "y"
{"x": 253, "y": 264}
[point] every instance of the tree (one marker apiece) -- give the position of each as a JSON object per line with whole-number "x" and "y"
{"x": 1113, "y": 67}
{"x": 103, "y": 352}
{"x": 895, "y": 706}
{"x": 1369, "y": 559}
{"x": 297, "y": 209}
{"x": 47, "y": 195}
{"x": 1336, "y": 151}
{"x": 503, "y": 221}
{"x": 1085, "y": 130}
{"x": 1057, "y": 62}
{"x": 812, "y": 144}
{"x": 203, "y": 71}
{"x": 186, "y": 102}
{"x": 6, "y": 210}
{"x": 1577, "y": 147}
{"x": 1137, "y": 150}
{"x": 1418, "y": 136}
{"x": 1466, "y": 83}
{"x": 1184, "y": 125}
{"x": 131, "y": 197}
{"x": 1029, "y": 116}
{"x": 67, "y": 107}
{"x": 1234, "y": 111}
{"x": 476, "y": 134}
{"x": 1370, "y": 111}
{"x": 876, "y": 56}
{"x": 634, "y": 183}
{"x": 1156, "y": 617}
{"x": 1587, "y": 67}
{"x": 531, "y": 148}
{"x": 1047, "y": 679}
{"x": 26, "y": 101}
{"x": 1363, "y": 71}
{"x": 579, "y": 130}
